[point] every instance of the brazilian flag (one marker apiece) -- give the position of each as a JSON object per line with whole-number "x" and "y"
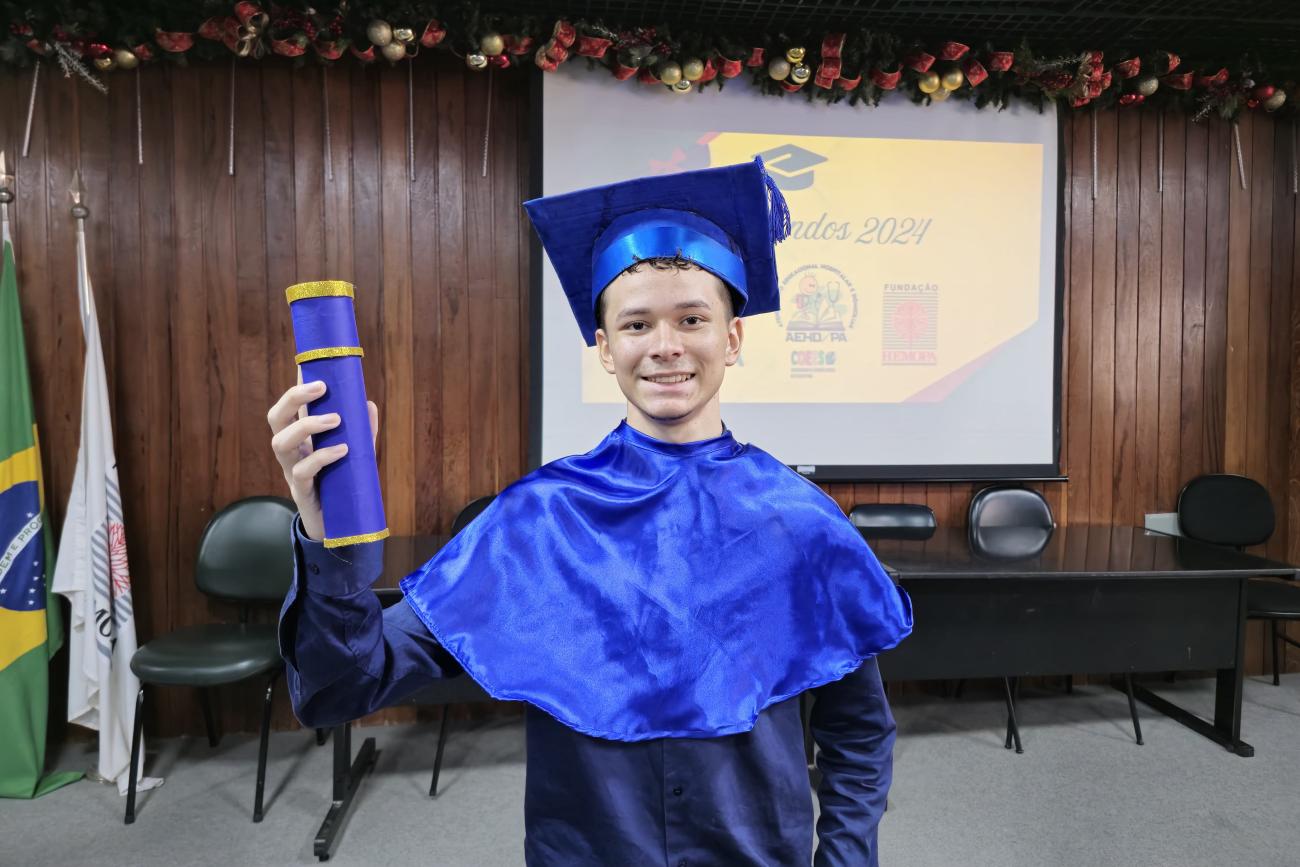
{"x": 31, "y": 629}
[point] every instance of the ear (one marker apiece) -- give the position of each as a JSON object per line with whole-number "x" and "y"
{"x": 602, "y": 348}
{"x": 735, "y": 337}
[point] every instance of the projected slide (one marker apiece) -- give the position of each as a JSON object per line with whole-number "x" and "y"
{"x": 917, "y": 336}
{"x": 889, "y": 291}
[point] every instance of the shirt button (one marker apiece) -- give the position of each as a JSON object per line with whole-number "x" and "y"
{"x": 313, "y": 569}
{"x": 678, "y": 791}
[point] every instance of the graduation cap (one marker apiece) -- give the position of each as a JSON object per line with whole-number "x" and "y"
{"x": 792, "y": 166}
{"x": 726, "y": 220}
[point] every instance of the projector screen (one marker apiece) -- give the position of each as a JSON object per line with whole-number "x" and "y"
{"x": 918, "y": 336}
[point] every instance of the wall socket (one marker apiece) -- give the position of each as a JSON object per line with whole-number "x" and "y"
{"x": 1164, "y": 522}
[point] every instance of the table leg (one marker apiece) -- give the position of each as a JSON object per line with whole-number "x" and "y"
{"x": 1226, "y": 728}
{"x": 348, "y": 773}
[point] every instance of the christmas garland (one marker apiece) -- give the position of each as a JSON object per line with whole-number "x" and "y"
{"x": 855, "y": 67}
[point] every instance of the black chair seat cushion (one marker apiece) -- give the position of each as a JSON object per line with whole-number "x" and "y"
{"x": 207, "y": 655}
{"x": 1273, "y": 599}
{"x": 451, "y": 690}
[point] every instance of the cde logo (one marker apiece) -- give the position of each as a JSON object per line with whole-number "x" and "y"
{"x": 819, "y": 308}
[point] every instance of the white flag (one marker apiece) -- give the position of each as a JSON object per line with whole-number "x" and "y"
{"x": 91, "y": 571}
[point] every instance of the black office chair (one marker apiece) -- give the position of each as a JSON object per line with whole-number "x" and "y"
{"x": 453, "y": 690}
{"x": 245, "y": 556}
{"x": 1236, "y": 511}
{"x": 894, "y": 520}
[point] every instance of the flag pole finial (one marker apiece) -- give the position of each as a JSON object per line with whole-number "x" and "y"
{"x": 78, "y": 193}
{"x": 6, "y": 181}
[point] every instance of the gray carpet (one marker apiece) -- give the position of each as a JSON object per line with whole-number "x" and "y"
{"x": 1082, "y": 794}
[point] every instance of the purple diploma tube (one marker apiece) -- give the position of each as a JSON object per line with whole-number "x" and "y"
{"x": 329, "y": 350}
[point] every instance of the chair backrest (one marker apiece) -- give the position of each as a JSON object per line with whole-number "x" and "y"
{"x": 894, "y": 520}
{"x": 471, "y": 511}
{"x": 246, "y": 553}
{"x": 1225, "y": 509}
{"x": 1009, "y": 507}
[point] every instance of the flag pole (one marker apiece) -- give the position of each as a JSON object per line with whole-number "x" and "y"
{"x": 80, "y": 212}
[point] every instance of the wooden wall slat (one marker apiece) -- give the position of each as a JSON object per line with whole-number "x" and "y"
{"x": 1180, "y": 339}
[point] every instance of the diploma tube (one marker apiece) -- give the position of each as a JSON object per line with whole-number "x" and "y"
{"x": 329, "y": 350}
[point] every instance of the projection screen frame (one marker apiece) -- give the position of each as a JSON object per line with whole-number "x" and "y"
{"x": 866, "y": 473}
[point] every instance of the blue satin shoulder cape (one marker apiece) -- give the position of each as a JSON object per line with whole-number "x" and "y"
{"x": 650, "y": 589}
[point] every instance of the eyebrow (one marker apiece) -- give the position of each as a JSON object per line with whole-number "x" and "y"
{"x": 681, "y": 305}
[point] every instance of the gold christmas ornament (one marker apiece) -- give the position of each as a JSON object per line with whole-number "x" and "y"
{"x": 669, "y": 72}
{"x": 1274, "y": 102}
{"x": 125, "y": 58}
{"x": 476, "y": 60}
{"x": 952, "y": 79}
{"x": 393, "y": 51}
{"x": 1147, "y": 85}
{"x": 682, "y": 86}
{"x": 693, "y": 69}
{"x": 779, "y": 69}
{"x": 795, "y": 54}
{"x": 379, "y": 32}
{"x": 929, "y": 82}
{"x": 105, "y": 63}
{"x": 940, "y": 95}
{"x": 799, "y": 74}
{"x": 492, "y": 44}
{"x": 404, "y": 35}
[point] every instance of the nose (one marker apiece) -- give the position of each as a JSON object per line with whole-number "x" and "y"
{"x": 667, "y": 344}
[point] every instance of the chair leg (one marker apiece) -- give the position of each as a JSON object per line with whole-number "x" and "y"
{"x": 1277, "y": 679}
{"x": 320, "y": 737}
{"x": 1132, "y": 707}
{"x": 956, "y": 693}
{"x": 442, "y": 742}
{"x": 1069, "y": 684}
{"x": 261, "y": 750}
{"x": 1013, "y": 730}
{"x": 137, "y": 725}
{"x": 205, "y": 701}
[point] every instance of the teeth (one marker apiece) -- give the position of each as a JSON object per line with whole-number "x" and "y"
{"x": 670, "y": 379}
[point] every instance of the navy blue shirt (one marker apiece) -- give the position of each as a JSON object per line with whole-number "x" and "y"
{"x": 737, "y": 800}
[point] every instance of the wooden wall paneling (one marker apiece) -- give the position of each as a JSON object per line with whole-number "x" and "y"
{"x": 278, "y": 226}
{"x": 396, "y": 331}
{"x": 525, "y": 235}
{"x": 506, "y": 140}
{"x": 1278, "y": 427}
{"x": 1237, "y": 383}
{"x": 453, "y": 274}
{"x": 1147, "y": 233}
{"x": 1077, "y": 393}
{"x": 481, "y": 214}
{"x": 1101, "y": 459}
{"x": 425, "y": 304}
{"x": 191, "y": 387}
{"x": 1292, "y": 290}
{"x": 1126, "y": 469}
{"x": 1221, "y": 174}
{"x": 1171, "y": 310}
{"x": 259, "y": 302}
{"x": 1056, "y": 493}
{"x": 1191, "y": 448}
{"x": 1261, "y": 229}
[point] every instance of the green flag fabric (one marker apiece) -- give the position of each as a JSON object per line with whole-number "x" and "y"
{"x": 31, "y": 629}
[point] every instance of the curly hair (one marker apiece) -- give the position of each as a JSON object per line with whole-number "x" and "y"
{"x": 665, "y": 263}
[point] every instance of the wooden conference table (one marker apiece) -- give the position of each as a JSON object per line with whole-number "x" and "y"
{"x": 1013, "y": 602}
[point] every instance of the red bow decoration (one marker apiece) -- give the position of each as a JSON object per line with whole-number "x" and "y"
{"x": 1129, "y": 68}
{"x": 1131, "y": 99}
{"x": 830, "y": 67}
{"x": 1218, "y": 79}
{"x": 919, "y": 61}
{"x": 516, "y": 45}
{"x": 176, "y": 43}
{"x": 886, "y": 80}
{"x": 367, "y": 56}
{"x": 623, "y": 73}
{"x": 755, "y": 58}
{"x": 850, "y": 83}
{"x": 789, "y": 87}
{"x": 1174, "y": 60}
{"x": 564, "y": 33}
{"x": 433, "y": 33}
{"x": 710, "y": 72}
{"x": 544, "y": 62}
{"x": 1000, "y": 61}
{"x": 953, "y": 51}
{"x": 593, "y": 46}
{"x": 1183, "y": 81}
{"x": 975, "y": 71}
{"x": 732, "y": 68}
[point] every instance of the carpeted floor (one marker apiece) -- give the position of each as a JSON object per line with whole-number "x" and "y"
{"x": 1082, "y": 794}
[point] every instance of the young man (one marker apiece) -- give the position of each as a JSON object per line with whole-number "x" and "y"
{"x": 661, "y": 601}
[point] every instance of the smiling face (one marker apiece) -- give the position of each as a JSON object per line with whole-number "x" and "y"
{"x": 668, "y": 335}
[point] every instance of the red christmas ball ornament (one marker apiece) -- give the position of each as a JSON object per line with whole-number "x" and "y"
{"x": 96, "y": 50}
{"x": 1263, "y": 92}
{"x": 1252, "y": 103}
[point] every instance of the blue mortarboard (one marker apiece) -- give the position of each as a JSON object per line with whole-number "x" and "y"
{"x": 726, "y": 220}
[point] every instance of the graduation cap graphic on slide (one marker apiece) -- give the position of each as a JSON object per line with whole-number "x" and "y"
{"x": 791, "y": 166}
{"x": 725, "y": 219}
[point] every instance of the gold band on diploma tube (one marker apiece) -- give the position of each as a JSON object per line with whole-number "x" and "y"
{"x": 328, "y": 352}
{"x": 356, "y": 540}
{"x": 319, "y": 289}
